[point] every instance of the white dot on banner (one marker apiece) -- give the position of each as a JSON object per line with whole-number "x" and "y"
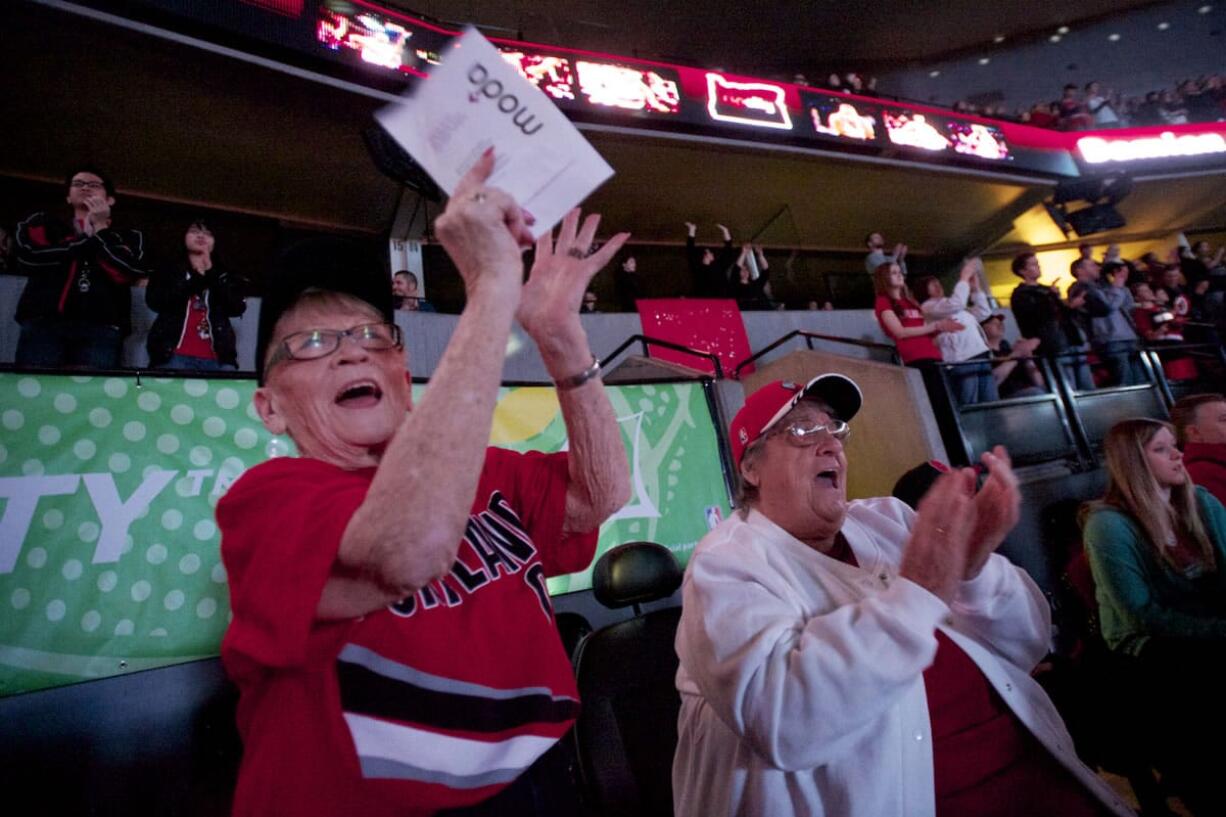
{"x": 645, "y": 404}
{"x": 204, "y": 529}
{"x": 196, "y": 388}
{"x": 81, "y": 378}
{"x": 21, "y": 599}
{"x": 29, "y": 387}
{"x": 156, "y": 554}
{"x": 186, "y": 486}
{"x": 99, "y": 417}
{"x": 148, "y": 471}
{"x": 91, "y": 621}
{"x": 56, "y": 610}
{"x": 189, "y": 564}
{"x": 84, "y": 449}
{"x": 134, "y": 431}
{"x": 672, "y": 479}
{"x": 107, "y": 581}
{"x": 32, "y": 468}
{"x": 115, "y": 388}
{"x": 669, "y": 496}
{"x": 172, "y": 519}
{"x": 119, "y": 462}
{"x": 87, "y": 531}
{"x": 13, "y": 419}
{"x": 675, "y": 465}
{"x": 246, "y": 438}
{"x": 205, "y": 608}
{"x": 71, "y": 570}
{"x": 200, "y": 455}
{"x": 168, "y": 443}
{"x": 182, "y": 414}
{"x": 36, "y": 558}
{"x": 227, "y": 398}
{"x": 48, "y": 435}
{"x": 149, "y": 401}
{"x": 174, "y": 600}
{"x": 64, "y": 403}
{"x": 252, "y": 413}
{"x": 159, "y": 632}
{"x": 218, "y": 574}
{"x": 665, "y": 396}
{"x": 125, "y": 627}
{"x": 214, "y": 426}
{"x": 141, "y": 590}
{"x": 53, "y": 519}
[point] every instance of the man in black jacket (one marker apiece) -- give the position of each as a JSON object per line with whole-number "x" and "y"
{"x": 76, "y": 307}
{"x": 1041, "y": 314}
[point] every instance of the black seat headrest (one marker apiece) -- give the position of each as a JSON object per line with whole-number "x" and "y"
{"x": 635, "y": 573}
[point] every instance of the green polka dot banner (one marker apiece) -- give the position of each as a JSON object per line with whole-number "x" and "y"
{"x": 109, "y": 552}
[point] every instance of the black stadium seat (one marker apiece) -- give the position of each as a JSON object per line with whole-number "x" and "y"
{"x": 627, "y": 731}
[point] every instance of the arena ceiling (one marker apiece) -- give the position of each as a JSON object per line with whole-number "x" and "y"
{"x": 774, "y": 36}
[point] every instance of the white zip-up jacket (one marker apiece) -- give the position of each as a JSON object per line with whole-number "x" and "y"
{"x": 959, "y": 346}
{"x": 801, "y": 677}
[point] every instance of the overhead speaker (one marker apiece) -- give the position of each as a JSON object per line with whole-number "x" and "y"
{"x": 1095, "y": 219}
{"x": 393, "y": 162}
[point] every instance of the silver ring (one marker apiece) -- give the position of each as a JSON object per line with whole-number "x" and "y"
{"x": 575, "y": 252}
{"x": 479, "y": 197}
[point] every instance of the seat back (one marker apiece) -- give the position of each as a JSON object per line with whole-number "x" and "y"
{"x": 627, "y": 731}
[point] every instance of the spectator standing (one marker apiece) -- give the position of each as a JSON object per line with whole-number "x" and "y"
{"x": 1041, "y": 314}
{"x": 76, "y": 307}
{"x": 589, "y": 302}
{"x": 708, "y": 269}
{"x": 405, "y": 293}
{"x": 967, "y": 306}
{"x": 877, "y": 255}
{"x": 1099, "y": 107}
{"x": 1073, "y": 115}
{"x": 195, "y": 298}
{"x": 751, "y": 288}
{"x": 1107, "y": 310}
{"x": 903, "y": 321}
{"x": 1200, "y": 428}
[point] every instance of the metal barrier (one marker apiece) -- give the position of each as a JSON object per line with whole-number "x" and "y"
{"x": 667, "y": 344}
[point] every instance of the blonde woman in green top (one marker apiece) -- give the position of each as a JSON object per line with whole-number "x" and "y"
{"x": 1156, "y": 544}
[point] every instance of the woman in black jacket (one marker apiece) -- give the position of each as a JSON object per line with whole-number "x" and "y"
{"x": 194, "y": 299}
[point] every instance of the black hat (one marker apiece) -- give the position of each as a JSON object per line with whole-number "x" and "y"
{"x": 326, "y": 263}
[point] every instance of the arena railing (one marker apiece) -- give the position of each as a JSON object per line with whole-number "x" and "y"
{"x": 888, "y": 350}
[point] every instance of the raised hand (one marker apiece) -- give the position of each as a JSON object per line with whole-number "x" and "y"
{"x": 936, "y": 555}
{"x": 724, "y": 231}
{"x": 691, "y": 229}
{"x": 482, "y": 229}
{"x": 99, "y": 212}
{"x": 997, "y": 508}
{"x": 549, "y": 307}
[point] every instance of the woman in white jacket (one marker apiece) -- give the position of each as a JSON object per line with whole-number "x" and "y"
{"x": 858, "y": 659}
{"x": 968, "y": 305}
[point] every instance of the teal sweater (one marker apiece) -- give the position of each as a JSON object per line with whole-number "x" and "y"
{"x": 1139, "y": 596}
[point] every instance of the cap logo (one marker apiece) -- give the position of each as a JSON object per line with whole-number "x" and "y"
{"x": 789, "y": 385}
{"x": 743, "y": 435}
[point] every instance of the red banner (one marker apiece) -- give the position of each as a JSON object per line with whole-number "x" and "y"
{"x": 705, "y": 324}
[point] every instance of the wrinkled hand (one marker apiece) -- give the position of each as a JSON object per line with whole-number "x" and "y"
{"x": 948, "y": 325}
{"x": 561, "y": 274}
{"x": 482, "y": 229}
{"x": 936, "y": 554}
{"x": 997, "y": 508}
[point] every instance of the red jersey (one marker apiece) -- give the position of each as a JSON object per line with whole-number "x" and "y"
{"x": 911, "y": 350}
{"x": 196, "y": 339}
{"x": 436, "y": 702}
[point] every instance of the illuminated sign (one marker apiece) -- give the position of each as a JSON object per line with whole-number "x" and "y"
{"x": 980, "y": 141}
{"x": 378, "y": 40}
{"x": 759, "y": 104}
{"x": 619, "y": 86}
{"x": 551, "y": 74}
{"x": 1097, "y": 150}
{"x": 842, "y": 119}
{"x": 913, "y": 130}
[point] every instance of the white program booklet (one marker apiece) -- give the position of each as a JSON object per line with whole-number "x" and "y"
{"x": 475, "y": 100}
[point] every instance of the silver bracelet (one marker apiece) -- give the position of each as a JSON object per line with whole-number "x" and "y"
{"x": 577, "y": 380}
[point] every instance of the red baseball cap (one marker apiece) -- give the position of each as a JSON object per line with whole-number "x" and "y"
{"x": 767, "y": 405}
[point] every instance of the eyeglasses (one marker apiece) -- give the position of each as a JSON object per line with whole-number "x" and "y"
{"x": 803, "y": 435}
{"x": 316, "y": 343}
{"x": 88, "y": 184}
